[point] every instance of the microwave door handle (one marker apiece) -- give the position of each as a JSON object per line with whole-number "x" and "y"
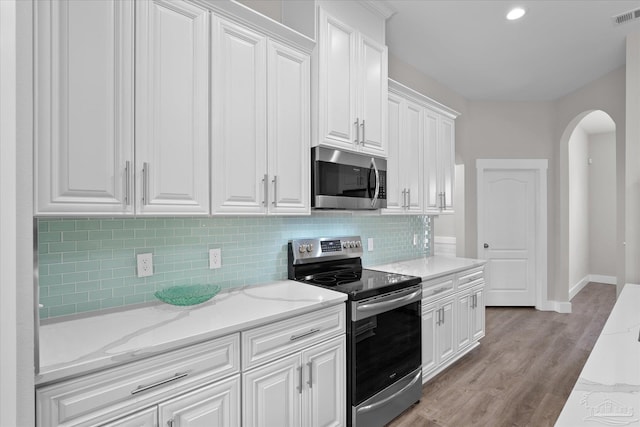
{"x": 377, "y": 190}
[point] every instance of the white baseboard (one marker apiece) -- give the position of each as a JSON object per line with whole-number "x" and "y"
{"x": 599, "y": 278}
{"x": 557, "y": 306}
{"x": 573, "y": 291}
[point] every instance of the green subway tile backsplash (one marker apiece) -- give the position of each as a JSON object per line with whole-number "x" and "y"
{"x": 87, "y": 265}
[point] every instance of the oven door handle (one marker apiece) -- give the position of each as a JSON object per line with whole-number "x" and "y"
{"x": 390, "y": 398}
{"x": 393, "y": 303}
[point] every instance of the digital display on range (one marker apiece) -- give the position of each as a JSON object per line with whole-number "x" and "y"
{"x": 331, "y": 246}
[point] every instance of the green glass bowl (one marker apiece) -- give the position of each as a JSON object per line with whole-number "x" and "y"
{"x": 187, "y": 294}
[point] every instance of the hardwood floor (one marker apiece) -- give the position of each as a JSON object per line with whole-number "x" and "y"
{"x": 523, "y": 371}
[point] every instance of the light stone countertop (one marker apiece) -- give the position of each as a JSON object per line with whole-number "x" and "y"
{"x": 430, "y": 267}
{"x": 608, "y": 389}
{"x": 73, "y": 347}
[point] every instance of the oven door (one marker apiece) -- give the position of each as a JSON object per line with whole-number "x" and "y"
{"x": 385, "y": 344}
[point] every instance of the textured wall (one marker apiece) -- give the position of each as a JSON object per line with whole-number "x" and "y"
{"x": 89, "y": 264}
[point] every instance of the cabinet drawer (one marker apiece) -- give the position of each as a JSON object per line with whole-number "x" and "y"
{"x": 266, "y": 343}
{"x": 437, "y": 288}
{"x": 97, "y": 397}
{"x": 470, "y": 277}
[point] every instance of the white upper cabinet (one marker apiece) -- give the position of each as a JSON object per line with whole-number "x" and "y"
{"x": 260, "y": 119}
{"x": 352, "y": 88}
{"x": 439, "y": 162}
{"x": 288, "y": 129}
{"x": 239, "y": 149}
{"x": 172, "y": 108}
{"x": 421, "y": 162}
{"x": 404, "y": 164}
{"x": 84, "y": 107}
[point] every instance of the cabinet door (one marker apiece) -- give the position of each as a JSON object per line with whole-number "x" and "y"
{"x": 431, "y": 167}
{"x": 172, "y": 108}
{"x": 429, "y": 335}
{"x": 478, "y": 313}
{"x": 464, "y": 316}
{"x": 239, "y": 143}
{"x": 446, "y": 330}
{"x": 271, "y": 394}
{"x": 145, "y": 418}
{"x": 216, "y": 405}
{"x": 395, "y": 174}
{"x": 289, "y": 135}
{"x": 84, "y": 107}
{"x": 372, "y": 95}
{"x": 324, "y": 395}
{"x": 446, "y": 162}
{"x": 411, "y": 154}
{"x": 337, "y": 83}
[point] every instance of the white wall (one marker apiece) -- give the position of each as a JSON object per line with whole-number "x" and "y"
{"x": 602, "y": 204}
{"x": 578, "y": 207}
{"x": 632, "y": 157}
{"x": 606, "y": 94}
{"x": 8, "y": 272}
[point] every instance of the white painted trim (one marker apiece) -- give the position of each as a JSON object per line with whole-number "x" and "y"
{"x": 578, "y": 286}
{"x": 8, "y": 216}
{"x": 599, "y": 278}
{"x": 540, "y": 166}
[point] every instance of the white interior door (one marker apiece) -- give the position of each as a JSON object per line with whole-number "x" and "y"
{"x": 507, "y": 235}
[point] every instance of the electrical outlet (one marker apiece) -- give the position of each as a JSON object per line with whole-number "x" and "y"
{"x": 215, "y": 258}
{"x": 145, "y": 265}
{"x": 370, "y": 244}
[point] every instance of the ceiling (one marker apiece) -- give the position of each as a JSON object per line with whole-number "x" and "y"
{"x": 469, "y": 46}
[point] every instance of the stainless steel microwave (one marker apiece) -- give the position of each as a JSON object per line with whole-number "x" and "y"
{"x": 344, "y": 180}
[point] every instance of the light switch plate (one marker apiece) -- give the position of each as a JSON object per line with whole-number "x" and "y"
{"x": 370, "y": 244}
{"x": 145, "y": 265}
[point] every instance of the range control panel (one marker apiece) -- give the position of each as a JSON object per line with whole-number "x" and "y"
{"x": 319, "y": 249}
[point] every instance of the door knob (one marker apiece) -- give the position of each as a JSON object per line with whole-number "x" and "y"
{"x": 486, "y": 246}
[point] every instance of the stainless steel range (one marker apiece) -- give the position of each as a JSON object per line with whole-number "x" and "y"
{"x": 384, "y": 375}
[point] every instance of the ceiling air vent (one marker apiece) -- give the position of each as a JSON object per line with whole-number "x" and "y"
{"x": 626, "y": 17}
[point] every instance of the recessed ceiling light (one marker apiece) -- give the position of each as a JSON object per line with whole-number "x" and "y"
{"x": 516, "y": 13}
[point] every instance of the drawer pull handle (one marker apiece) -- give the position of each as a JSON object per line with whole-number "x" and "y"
{"x": 300, "y": 384}
{"x": 437, "y": 291}
{"x": 306, "y": 334}
{"x": 142, "y": 388}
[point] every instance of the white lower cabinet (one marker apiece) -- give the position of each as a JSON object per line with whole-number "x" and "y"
{"x": 292, "y": 374}
{"x": 438, "y": 333}
{"x": 304, "y": 389}
{"x": 145, "y": 418}
{"x": 452, "y": 319}
{"x": 216, "y": 405}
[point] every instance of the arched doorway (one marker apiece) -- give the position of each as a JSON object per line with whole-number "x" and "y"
{"x": 588, "y": 201}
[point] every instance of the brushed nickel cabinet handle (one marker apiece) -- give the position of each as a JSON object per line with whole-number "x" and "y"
{"x": 265, "y": 185}
{"x": 363, "y": 139}
{"x": 306, "y": 334}
{"x": 310, "y": 366}
{"x": 357, "y": 123}
{"x": 275, "y": 191}
{"x": 300, "y": 383}
{"x": 142, "y": 388}
{"x": 145, "y": 183}
{"x": 127, "y": 182}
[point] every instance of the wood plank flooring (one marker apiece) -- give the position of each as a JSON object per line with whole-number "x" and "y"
{"x": 523, "y": 371}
